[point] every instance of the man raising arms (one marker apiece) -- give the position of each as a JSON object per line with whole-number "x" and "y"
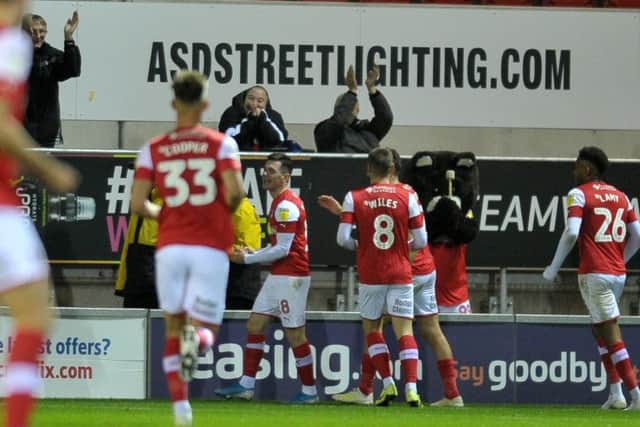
{"x": 284, "y": 293}
{"x": 197, "y": 172}
{"x": 599, "y": 218}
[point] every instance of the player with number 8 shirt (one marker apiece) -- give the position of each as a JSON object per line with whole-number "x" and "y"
{"x": 284, "y": 293}
{"x": 599, "y": 217}
{"x": 385, "y": 213}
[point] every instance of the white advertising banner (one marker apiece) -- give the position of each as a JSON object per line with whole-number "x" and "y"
{"x": 520, "y": 67}
{"x": 87, "y": 358}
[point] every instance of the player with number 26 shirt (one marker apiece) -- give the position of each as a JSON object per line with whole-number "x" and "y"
{"x": 605, "y": 213}
{"x": 602, "y": 220}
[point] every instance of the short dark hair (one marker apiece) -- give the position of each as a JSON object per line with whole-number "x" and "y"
{"x": 35, "y": 17}
{"x": 286, "y": 164}
{"x": 397, "y": 160}
{"x": 596, "y": 157}
{"x": 189, "y": 86}
{"x": 380, "y": 161}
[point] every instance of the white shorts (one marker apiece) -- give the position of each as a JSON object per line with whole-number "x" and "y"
{"x": 424, "y": 295}
{"x": 193, "y": 279}
{"x": 462, "y": 308}
{"x": 394, "y": 300}
{"x": 284, "y": 297}
{"x": 22, "y": 257}
{"x": 600, "y": 293}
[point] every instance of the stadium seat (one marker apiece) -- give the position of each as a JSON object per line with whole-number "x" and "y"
{"x": 446, "y": 2}
{"x": 511, "y": 2}
{"x": 572, "y": 3}
{"x": 632, "y": 4}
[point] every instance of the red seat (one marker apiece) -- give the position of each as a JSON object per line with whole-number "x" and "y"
{"x": 511, "y": 2}
{"x": 445, "y": 2}
{"x": 633, "y": 4}
{"x": 571, "y": 3}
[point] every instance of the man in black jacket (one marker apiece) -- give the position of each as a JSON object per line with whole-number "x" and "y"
{"x": 344, "y": 132}
{"x": 252, "y": 122}
{"x": 50, "y": 66}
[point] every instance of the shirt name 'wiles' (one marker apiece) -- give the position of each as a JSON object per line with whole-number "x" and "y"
{"x": 183, "y": 147}
{"x": 381, "y": 203}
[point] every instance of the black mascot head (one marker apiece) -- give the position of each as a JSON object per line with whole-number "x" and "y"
{"x": 448, "y": 184}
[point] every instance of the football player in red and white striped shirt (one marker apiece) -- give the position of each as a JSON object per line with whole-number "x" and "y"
{"x": 24, "y": 272}
{"x": 604, "y": 223}
{"x": 284, "y": 293}
{"x": 197, "y": 173}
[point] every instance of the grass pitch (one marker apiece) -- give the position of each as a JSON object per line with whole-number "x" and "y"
{"x": 129, "y": 413}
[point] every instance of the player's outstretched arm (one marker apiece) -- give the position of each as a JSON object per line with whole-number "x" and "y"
{"x": 330, "y": 204}
{"x": 565, "y": 244}
{"x": 633, "y": 241}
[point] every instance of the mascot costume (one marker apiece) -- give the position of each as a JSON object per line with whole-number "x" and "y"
{"x": 447, "y": 184}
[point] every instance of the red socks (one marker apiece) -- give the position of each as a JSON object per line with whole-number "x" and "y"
{"x": 22, "y": 377}
{"x": 622, "y": 362}
{"x": 379, "y": 353}
{"x": 367, "y": 374}
{"x": 408, "y": 358}
{"x": 612, "y": 374}
{"x": 447, "y": 369}
{"x": 253, "y": 351}
{"x": 171, "y": 364}
{"x": 304, "y": 364}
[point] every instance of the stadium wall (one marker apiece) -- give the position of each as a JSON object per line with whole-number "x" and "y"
{"x": 520, "y": 221}
{"x": 117, "y": 354}
{"x": 572, "y": 88}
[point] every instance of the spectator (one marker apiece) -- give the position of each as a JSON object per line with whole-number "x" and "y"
{"x": 49, "y": 67}
{"x": 24, "y": 271}
{"x": 252, "y": 122}
{"x": 344, "y": 132}
{"x": 599, "y": 217}
{"x": 244, "y": 279}
{"x": 136, "y": 274}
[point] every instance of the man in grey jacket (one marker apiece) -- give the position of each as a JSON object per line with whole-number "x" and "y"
{"x": 343, "y": 132}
